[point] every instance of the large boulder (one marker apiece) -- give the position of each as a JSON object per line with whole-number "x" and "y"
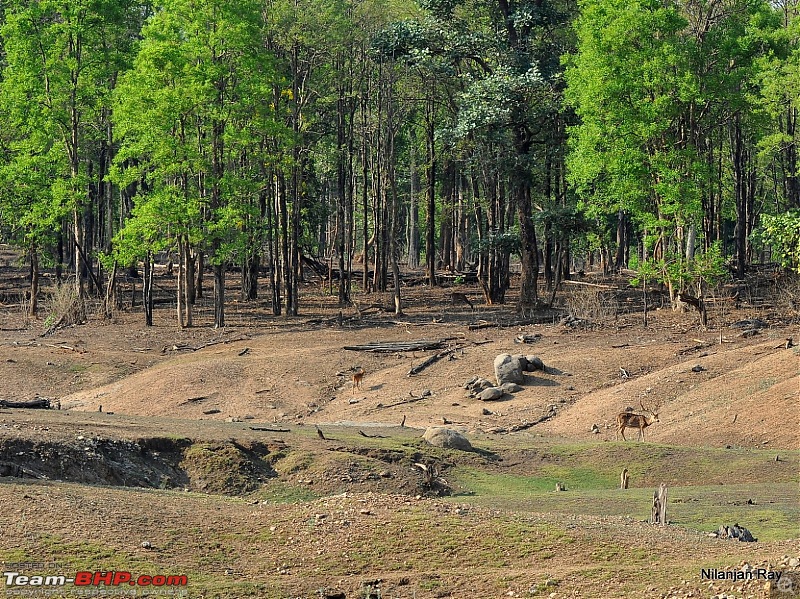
{"x": 508, "y": 369}
{"x": 440, "y": 436}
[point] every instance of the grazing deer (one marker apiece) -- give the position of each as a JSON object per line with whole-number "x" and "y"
{"x": 460, "y": 298}
{"x": 358, "y": 376}
{"x": 629, "y": 419}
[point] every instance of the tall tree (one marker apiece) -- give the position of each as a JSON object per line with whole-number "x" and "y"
{"x": 189, "y": 111}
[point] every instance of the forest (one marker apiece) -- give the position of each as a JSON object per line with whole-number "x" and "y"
{"x": 367, "y": 138}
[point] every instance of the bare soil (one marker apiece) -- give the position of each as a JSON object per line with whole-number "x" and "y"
{"x": 162, "y": 407}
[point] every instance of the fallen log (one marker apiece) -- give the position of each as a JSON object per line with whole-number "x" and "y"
{"x": 270, "y": 430}
{"x": 431, "y": 360}
{"x": 400, "y": 346}
{"x": 482, "y": 325}
{"x": 41, "y": 403}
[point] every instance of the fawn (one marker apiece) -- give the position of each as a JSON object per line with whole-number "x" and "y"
{"x": 358, "y": 376}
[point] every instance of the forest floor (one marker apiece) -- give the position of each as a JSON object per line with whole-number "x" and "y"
{"x": 201, "y": 451}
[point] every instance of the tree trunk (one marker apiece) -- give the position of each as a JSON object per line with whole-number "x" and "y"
{"x": 738, "y": 160}
{"x": 622, "y": 239}
{"x": 219, "y": 296}
{"x": 33, "y": 307}
{"x": 201, "y": 267}
{"x": 147, "y": 298}
{"x": 341, "y": 198}
{"x": 188, "y": 276}
{"x": 430, "y": 215}
{"x": 528, "y": 294}
{"x": 413, "y": 209}
{"x": 111, "y": 289}
{"x": 181, "y": 280}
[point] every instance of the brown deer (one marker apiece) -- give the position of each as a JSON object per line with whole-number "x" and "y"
{"x": 629, "y": 419}
{"x": 358, "y": 376}
{"x": 460, "y": 298}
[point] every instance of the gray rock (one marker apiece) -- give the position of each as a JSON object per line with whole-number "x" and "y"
{"x": 491, "y": 394}
{"x": 511, "y": 387}
{"x": 534, "y": 363}
{"x": 478, "y": 385}
{"x": 508, "y": 369}
{"x": 439, "y": 436}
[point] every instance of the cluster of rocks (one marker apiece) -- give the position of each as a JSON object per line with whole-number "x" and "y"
{"x": 486, "y": 390}
{"x": 735, "y": 532}
{"x": 510, "y": 373}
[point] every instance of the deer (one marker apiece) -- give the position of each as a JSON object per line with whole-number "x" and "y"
{"x": 461, "y": 298}
{"x": 358, "y": 376}
{"x": 630, "y": 419}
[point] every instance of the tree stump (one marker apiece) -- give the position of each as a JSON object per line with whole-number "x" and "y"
{"x": 658, "y": 514}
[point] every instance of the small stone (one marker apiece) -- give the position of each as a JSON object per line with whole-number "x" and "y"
{"x": 794, "y": 562}
{"x": 511, "y": 387}
{"x": 697, "y": 368}
{"x": 146, "y": 545}
{"x": 491, "y": 394}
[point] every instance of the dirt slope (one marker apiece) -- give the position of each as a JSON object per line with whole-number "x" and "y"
{"x": 302, "y": 375}
{"x": 746, "y": 396}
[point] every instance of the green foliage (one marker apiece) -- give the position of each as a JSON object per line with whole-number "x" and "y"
{"x": 189, "y": 106}
{"x": 781, "y": 232}
{"x": 706, "y": 269}
{"x": 505, "y": 241}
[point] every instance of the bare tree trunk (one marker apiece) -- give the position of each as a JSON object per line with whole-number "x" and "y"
{"x": 147, "y": 298}
{"x": 188, "y": 273}
{"x": 33, "y": 307}
{"x": 413, "y": 209}
{"x": 180, "y": 285}
{"x": 430, "y": 216}
{"x": 111, "y": 289}
{"x": 201, "y": 267}
{"x": 528, "y": 294}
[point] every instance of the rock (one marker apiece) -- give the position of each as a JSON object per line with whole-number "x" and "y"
{"x": 739, "y": 533}
{"x": 511, "y": 388}
{"x": 527, "y": 338}
{"x": 508, "y": 369}
{"x": 470, "y": 382}
{"x": 794, "y": 562}
{"x": 447, "y": 438}
{"x": 491, "y": 394}
{"x": 595, "y": 429}
{"x": 697, "y": 368}
{"x": 534, "y": 363}
{"x": 478, "y": 384}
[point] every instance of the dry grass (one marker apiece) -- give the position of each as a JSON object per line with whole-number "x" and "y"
{"x": 65, "y": 307}
{"x": 592, "y": 304}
